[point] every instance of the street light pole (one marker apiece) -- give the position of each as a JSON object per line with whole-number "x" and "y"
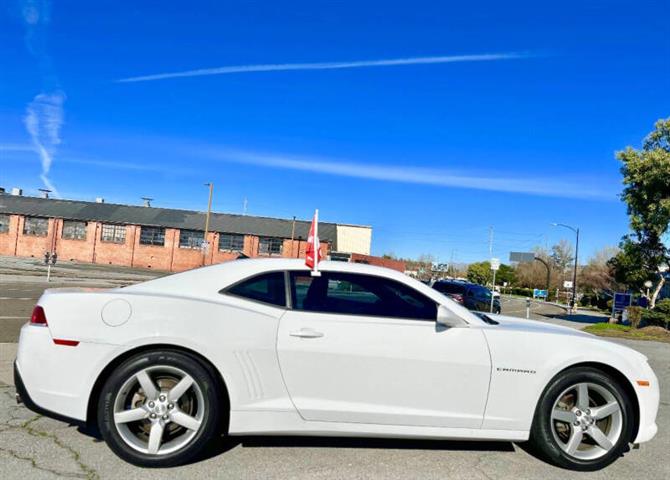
{"x": 209, "y": 211}
{"x": 574, "y": 273}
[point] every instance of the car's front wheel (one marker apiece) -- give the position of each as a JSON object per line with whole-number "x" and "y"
{"x": 159, "y": 409}
{"x": 584, "y": 420}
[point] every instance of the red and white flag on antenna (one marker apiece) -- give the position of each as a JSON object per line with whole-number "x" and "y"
{"x": 313, "y": 253}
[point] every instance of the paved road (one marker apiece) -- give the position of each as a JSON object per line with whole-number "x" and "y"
{"x": 22, "y": 281}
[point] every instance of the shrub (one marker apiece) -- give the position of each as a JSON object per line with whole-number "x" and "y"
{"x": 663, "y": 306}
{"x": 659, "y": 316}
{"x": 585, "y": 301}
{"x": 635, "y": 316}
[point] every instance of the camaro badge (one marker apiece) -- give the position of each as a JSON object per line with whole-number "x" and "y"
{"x": 516, "y": 370}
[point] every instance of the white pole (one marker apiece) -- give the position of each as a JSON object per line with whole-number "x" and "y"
{"x": 493, "y": 291}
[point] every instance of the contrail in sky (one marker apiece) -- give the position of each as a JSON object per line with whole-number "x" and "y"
{"x": 284, "y": 67}
{"x": 44, "y": 114}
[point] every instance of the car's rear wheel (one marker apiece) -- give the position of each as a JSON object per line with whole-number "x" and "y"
{"x": 584, "y": 420}
{"x": 159, "y": 409}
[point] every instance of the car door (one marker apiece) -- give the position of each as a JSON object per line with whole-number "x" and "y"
{"x": 367, "y": 349}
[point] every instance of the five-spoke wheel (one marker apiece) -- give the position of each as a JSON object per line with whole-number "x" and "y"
{"x": 159, "y": 408}
{"x": 584, "y": 420}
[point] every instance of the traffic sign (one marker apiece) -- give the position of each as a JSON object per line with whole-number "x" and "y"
{"x": 621, "y": 302}
{"x": 537, "y": 293}
{"x": 495, "y": 264}
{"x": 521, "y": 257}
{"x": 567, "y": 284}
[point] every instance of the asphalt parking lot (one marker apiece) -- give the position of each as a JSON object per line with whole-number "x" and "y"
{"x": 32, "y": 446}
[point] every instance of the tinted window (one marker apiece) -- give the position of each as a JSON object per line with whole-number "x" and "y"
{"x": 482, "y": 292}
{"x": 449, "y": 287}
{"x": 353, "y": 294}
{"x": 267, "y": 288}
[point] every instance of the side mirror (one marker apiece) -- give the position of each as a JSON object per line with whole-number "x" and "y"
{"x": 448, "y": 318}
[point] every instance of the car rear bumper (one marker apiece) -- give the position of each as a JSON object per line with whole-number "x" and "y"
{"x": 22, "y": 396}
{"x": 57, "y": 380}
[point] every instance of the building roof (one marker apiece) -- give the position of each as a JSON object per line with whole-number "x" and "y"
{"x": 161, "y": 217}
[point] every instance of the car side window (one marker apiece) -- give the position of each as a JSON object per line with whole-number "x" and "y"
{"x": 266, "y": 288}
{"x": 356, "y": 294}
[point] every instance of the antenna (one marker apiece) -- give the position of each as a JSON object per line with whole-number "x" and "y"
{"x": 147, "y": 201}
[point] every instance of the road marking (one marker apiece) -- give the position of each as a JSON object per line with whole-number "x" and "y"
{"x": 9, "y": 318}
{"x": 17, "y": 298}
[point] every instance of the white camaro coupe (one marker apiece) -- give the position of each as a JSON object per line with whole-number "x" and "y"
{"x": 263, "y": 347}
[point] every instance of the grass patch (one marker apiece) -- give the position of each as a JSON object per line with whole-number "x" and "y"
{"x": 617, "y": 330}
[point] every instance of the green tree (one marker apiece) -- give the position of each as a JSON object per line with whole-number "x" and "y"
{"x": 646, "y": 179}
{"x": 479, "y": 272}
{"x": 507, "y": 273}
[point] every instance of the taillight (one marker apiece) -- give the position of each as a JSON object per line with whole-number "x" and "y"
{"x": 38, "y": 317}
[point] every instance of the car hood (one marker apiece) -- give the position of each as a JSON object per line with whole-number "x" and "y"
{"x": 536, "y": 326}
{"x": 514, "y": 324}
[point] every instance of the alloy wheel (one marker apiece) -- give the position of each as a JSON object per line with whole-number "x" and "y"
{"x": 159, "y": 410}
{"x": 586, "y": 421}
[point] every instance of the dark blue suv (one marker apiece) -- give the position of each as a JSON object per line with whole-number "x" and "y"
{"x": 472, "y": 296}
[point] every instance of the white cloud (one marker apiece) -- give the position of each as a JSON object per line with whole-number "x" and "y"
{"x": 43, "y": 121}
{"x": 546, "y": 187}
{"x": 282, "y": 67}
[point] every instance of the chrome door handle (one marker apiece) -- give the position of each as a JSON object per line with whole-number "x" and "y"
{"x": 306, "y": 333}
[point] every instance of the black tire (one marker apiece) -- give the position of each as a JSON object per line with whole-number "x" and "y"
{"x": 210, "y": 423}
{"x": 542, "y": 438}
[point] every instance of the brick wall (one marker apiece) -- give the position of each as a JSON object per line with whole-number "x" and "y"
{"x": 130, "y": 253}
{"x": 379, "y": 261}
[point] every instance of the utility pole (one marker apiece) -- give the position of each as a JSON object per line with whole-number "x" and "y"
{"x": 292, "y": 235}
{"x": 205, "y": 243}
{"x": 574, "y": 273}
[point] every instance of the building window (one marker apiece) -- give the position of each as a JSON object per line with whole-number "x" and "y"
{"x": 191, "y": 238}
{"x": 4, "y": 223}
{"x": 231, "y": 241}
{"x": 74, "y": 230}
{"x": 113, "y": 233}
{"x": 36, "y": 226}
{"x": 152, "y": 236}
{"x": 270, "y": 246}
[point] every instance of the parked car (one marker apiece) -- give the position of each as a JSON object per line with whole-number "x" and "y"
{"x": 258, "y": 347}
{"x": 472, "y": 296}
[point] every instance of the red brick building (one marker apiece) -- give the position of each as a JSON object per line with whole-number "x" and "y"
{"x": 147, "y": 237}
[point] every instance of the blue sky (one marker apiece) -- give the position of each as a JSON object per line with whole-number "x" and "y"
{"x": 503, "y": 114}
